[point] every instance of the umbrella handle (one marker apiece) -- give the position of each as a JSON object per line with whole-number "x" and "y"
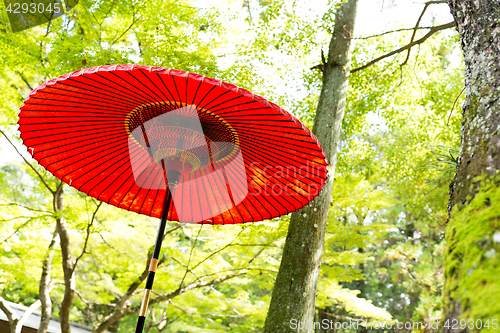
{"x": 156, "y": 254}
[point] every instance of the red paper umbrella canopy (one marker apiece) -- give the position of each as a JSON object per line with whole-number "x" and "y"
{"x": 107, "y": 131}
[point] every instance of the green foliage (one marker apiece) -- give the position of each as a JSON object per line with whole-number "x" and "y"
{"x": 473, "y": 241}
{"x": 346, "y": 298}
{"x": 390, "y": 194}
{"x": 385, "y": 235}
{"x": 116, "y": 255}
{"x": 96, "y": 33}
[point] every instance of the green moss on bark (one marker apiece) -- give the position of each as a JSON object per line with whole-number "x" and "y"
{"x": 473, "y": 256}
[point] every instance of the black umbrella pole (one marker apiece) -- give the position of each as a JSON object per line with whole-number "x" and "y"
{"x": 154, "y": 261}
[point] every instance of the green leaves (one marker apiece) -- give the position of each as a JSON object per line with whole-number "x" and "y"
{"x": 384, "y": 241}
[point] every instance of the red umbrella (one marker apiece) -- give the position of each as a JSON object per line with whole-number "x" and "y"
{"x": 128, "y": 135}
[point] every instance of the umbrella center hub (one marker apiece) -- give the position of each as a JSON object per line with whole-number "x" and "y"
{"x": 182, "y": 137}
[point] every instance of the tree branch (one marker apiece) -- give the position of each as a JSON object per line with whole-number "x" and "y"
{"x": 336, "y": 316}
{"x": 16, "y": 324}
{"x": 408, "y": 46}
{"x": 11, "y": 315}
{"x": 123, "y": 307}
{"x": 239, "y": 268}
{"x": 190, "y": 256}
{"x": 87, "y": 237}
{"x": 180, "y": 291}
{"x": 171, "y": 230}
{"x": 17, "y": 229}
{"x": 87, "y": 305}
{"x": 109, "y": 11}
{"x": 219, "y": 250}
{"x": 120, "y": 312}
{"x": 391, "y": 32}
{"x": 157, "y": 324}
{"x": 122, "y": 301}
{"x": 30, "y": 165}
{"x": 22, "y": 206}
{"x": 126, "y": 30}
{"x": 59, "y": 186}
{"x": 26, "y": 315}
{"x": 205, "y": 314}
{"x": 453, "y": 107}
{"x": 427, "y": 4}
{"x": 24, "y": 79}
{"x": 112, "y": 247}
{"x": 22, "y": 217}
{"x": 435, "y": 2}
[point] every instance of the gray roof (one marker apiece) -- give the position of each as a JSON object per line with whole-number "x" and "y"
{"x": 34, "y": 320}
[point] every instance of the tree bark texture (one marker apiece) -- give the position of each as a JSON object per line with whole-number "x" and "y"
{"x": 472, "y": 263}
{"x": 294, "y": 292}
{"x": 67, "y": 262}
{"x": 45, "y": 285}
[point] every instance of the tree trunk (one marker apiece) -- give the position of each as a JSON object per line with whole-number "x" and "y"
{"x": 67, "y": 263}
{"x": 45, "y": 285}
{"x": 294, "y": 292}
{"x": 471, "y": 284}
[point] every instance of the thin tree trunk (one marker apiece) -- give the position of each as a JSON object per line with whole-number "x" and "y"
{"x": 294, "y": 292}
{"x": 45, "y": 285}
{"x": 16, "y": 324}
{"x": 470, "y": 264}
{"x": 67, "y": 263}
{"x": 11, "y": 315}
{"x": 26, "y": 315}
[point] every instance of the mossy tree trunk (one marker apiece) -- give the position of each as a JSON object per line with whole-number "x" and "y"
{"x": 472, "y": 264}
{"x": 294, "y": 292}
